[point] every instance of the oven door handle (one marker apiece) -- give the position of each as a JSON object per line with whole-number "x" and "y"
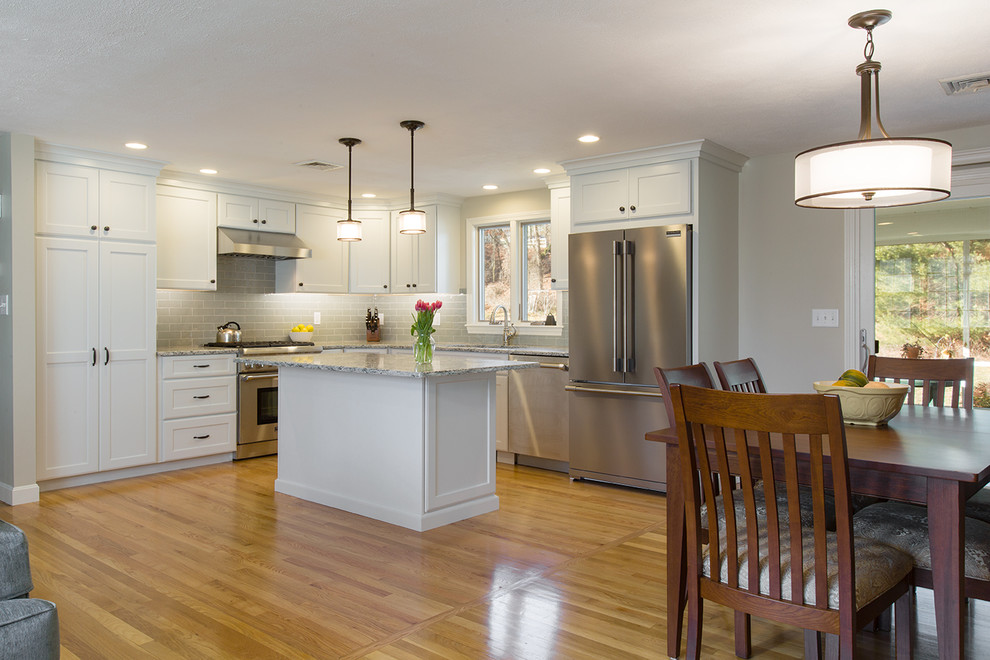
{"x": 246, "y": 377}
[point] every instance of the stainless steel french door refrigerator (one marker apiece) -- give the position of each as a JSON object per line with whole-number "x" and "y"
{"x": 630, "y": 311}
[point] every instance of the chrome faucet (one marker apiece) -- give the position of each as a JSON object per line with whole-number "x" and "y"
{"x": 508, "y": 331}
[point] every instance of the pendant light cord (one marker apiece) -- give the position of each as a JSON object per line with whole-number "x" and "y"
{"x": 412, "y": 168}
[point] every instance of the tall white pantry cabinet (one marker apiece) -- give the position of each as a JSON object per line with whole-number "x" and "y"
{"x": 95, "y": 240}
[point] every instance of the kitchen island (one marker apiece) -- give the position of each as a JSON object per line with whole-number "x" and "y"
{"x": 377, "y": 435}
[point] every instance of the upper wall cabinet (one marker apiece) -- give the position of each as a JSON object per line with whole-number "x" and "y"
{"x": 370, "y": 257}
{"x": 430, "y": 262}
{"x": 633, "y": 193}
{"x": 326, "y": 271}
{"x": 241, "y": 212}
{"x": 187, "y": 239}
{"x": 81, "y": 201}
{"x": 560, "y": 226}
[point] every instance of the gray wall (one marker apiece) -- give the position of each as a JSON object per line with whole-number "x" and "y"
{"x": 17, "y": 331}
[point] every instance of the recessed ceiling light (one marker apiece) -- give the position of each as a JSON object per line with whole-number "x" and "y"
{"x": 541, "y": 170}
{"x": 135, "y": 145}
{"x": 490, "y": 187}
{"x": 914, "y": 233}
{"x": 368, "y": 195}
{"x": 207, "y": 170}
{"x": 884, "y": 223}
{"x": 588, "y": 138}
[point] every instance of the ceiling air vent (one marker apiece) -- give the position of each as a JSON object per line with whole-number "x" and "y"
{"x": 321, "y": 165}
{"x": 966, "y": 84}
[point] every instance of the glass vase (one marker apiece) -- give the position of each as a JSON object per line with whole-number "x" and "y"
{"x": 423, "y": 348}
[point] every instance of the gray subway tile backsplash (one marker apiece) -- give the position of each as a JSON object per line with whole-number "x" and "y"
{"x": 245, "y": 293}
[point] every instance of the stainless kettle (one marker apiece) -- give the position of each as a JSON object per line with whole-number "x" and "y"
{"x": 229, "y": 333}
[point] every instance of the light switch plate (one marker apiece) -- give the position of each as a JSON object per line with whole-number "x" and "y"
{"x": 316, "y": 318}
{"x": 824, "y": 318}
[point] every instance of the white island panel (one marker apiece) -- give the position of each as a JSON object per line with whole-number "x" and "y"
{"x": 378, "y": 436}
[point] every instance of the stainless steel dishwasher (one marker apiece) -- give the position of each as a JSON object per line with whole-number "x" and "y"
{"x": 538, "y": 419}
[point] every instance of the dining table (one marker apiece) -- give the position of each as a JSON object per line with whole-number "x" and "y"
{"x": 935, "y": 457}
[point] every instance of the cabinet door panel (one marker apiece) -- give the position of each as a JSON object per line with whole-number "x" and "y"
{"x": 414, "y": 257}
{"x": 68, "y": 387}
{"x": 560, "y": 226}
{"x": 187, "y": 239}
{"x": 127, "y": 206}
{"x": 657, "y": 190}
{"x": 326, "y": 271}
{"x": 127, "y": 332}
{"x": 237, "y": 212}
{"x": 277, "y": 216}
{"x": 369, "y": 257}
{"x": 68, "y": 199}
{"x": 599, "y": 196}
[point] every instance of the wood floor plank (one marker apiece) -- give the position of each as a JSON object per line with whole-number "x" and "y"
{"x": 212, "y": 563}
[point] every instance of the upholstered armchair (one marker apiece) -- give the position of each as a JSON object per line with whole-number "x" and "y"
{"x": 28, "y": 626}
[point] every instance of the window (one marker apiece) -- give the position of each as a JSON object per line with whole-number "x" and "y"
{"x": 540, "y": 299}
{"x": 510, "y": 265}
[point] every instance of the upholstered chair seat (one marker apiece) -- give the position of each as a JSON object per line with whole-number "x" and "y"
{"x": 905, "y": 526}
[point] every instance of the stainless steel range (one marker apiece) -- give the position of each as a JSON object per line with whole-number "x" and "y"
{"x": 257, "y": 395}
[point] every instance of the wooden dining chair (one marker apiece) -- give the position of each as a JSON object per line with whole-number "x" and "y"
{"x": 749, "y": 562}
{"x": 942, "y": 383}
{"x": 937, "y": 382}
{"x": 693, "y": 374}
{"x": 740, "y": 376}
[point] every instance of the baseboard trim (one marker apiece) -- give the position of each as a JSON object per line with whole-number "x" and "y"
{"x": 14, "y": 495}
{"x": 126, "y": 473}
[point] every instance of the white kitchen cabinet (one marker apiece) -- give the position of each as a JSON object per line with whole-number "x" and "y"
{"x": 187, "y": 239}
{"x": 242, "y": 212}
{"x": 430, "y": 262}
{"x": 369, "y": 258}
{"x": 327, "y": 270}
{"x": 96, "y": 356}
{"x": 81, "y": 201}
{"x": 560, "y": 227}
{"x": 646, "y": 191}
{"x": 197, "y": 405}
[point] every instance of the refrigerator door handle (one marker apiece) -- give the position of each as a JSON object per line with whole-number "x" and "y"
{"x": 617, "y": 263}
{"x": 628, "y": 309}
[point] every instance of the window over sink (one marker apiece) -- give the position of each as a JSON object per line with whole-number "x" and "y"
{"x": 510, "y": 260}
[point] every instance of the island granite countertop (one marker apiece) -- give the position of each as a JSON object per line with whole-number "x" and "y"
{"x": 467, "y": 348}
{"x": 383, "y": 364}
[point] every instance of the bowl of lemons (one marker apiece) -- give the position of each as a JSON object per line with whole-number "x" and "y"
{"x": 301, "y": 332}
{"x": 864, "y": 401}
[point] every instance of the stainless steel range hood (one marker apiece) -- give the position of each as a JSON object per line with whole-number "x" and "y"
{"x": 260, "y": 244}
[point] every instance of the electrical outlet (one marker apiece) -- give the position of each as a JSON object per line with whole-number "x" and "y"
{"x": 316, "y": 318}
{"x": 824, "y": 318}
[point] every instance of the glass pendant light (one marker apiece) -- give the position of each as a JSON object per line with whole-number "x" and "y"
{"x": 872, "y": 172}
{"x": 349, "y": 229}
{"x": 412, "y": 221}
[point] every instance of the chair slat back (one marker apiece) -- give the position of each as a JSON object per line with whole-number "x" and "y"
{"x": 693, "y": 374}
{"x": 740, "y": 376}
{"x": 940, "y": 382}
{"x": 784, "y": 440}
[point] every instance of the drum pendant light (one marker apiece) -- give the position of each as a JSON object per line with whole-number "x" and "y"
{"x": 349, "y": 229}
{"x": 412, "y": 221}
{"x": 872, "y": 172}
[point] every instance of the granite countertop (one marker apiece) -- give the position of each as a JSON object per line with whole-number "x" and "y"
{"x": 382, "y": 364}
{"x": 198, "y": 350}
{"x": 471, "y": 348}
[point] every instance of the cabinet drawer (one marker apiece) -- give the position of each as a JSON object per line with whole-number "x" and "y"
{"x": 198, "y": 396}
{"x": 198, "y": 436}
{"x": 197, "y": 366}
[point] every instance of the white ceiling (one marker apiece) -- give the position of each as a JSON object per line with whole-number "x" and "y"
{"x": 250, "y": 87}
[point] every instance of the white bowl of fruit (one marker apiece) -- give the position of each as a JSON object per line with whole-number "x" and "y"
{"x": 864, "y": 401}
{"x": 301, "y": 332}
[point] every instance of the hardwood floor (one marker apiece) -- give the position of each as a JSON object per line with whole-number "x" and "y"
{"x": 211, "y": 563}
